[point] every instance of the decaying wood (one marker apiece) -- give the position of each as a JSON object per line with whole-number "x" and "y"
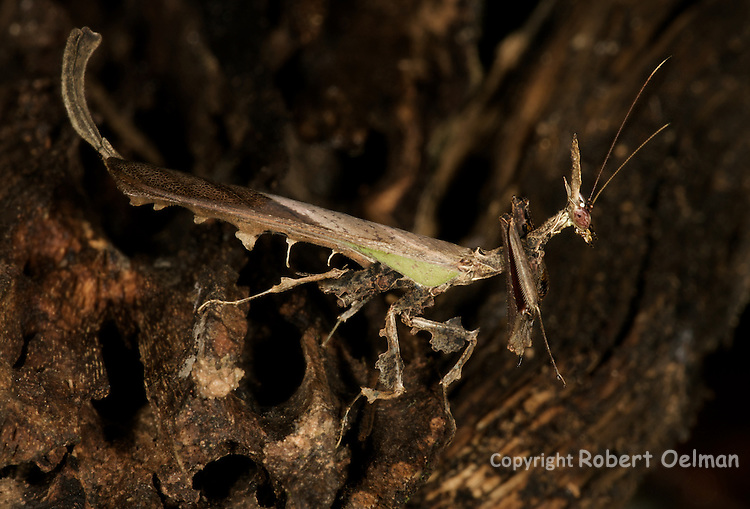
{"x": 115, "y": 389}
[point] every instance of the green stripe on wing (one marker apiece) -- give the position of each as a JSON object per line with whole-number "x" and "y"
{"x": 424, "y": 273}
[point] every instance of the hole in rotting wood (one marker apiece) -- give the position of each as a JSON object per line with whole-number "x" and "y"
{"x": 127, "y": 393}
{"x": 27, "y": 338}
{"x": 274, "y": 353}
{"x": 273, "y": 359}
{"x": 234, "y": 477}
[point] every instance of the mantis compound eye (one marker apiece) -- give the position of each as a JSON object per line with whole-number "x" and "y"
{"x": 582, "y": 218}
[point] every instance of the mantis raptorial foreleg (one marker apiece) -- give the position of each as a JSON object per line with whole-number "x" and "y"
{"x": 422, "y": 267}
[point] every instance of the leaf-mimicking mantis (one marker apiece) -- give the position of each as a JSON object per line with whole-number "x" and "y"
{"x": 420, "y": 266}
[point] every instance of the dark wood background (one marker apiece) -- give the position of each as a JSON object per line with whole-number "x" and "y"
{"x": 423, "y": 114}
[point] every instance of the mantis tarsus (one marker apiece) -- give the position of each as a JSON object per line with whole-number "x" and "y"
{"x": 421, "y": 267}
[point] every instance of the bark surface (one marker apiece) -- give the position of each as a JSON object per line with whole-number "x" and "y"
{"x": 425, "y": 114}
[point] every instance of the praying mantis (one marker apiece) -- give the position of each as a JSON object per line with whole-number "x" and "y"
{"x": 420, "y": 267}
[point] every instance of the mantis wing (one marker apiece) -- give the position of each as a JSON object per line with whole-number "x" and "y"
{"x": 427, "y": 261}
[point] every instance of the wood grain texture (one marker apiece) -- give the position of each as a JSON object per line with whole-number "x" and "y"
{"x": 409, "y": 113}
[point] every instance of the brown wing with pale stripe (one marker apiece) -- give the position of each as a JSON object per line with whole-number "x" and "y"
{"x": 254, "y": 213}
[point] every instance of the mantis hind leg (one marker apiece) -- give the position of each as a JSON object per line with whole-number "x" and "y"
{"x": 389, "y": 363}
{"x": 285, "y": 284}
{"x": 447, "y": 337}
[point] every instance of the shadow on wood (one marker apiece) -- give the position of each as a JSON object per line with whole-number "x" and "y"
{"x": 423, "y": 115}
